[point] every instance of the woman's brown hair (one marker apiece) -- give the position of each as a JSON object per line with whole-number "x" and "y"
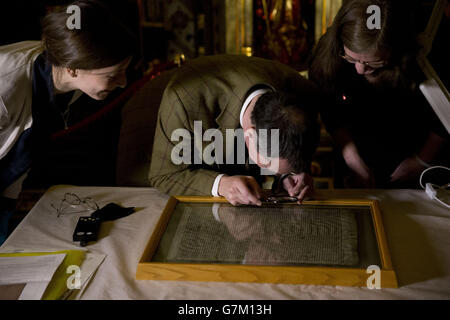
{"x": 349, "y": 28}
{"x": 102, "y": 40}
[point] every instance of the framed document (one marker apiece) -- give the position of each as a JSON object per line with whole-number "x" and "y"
{"x": 333, "y": 242}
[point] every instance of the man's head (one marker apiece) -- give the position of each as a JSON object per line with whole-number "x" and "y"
{"x": 298, "y": 131}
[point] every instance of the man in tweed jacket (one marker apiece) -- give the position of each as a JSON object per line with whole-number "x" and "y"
{"x": 220, "y": 92}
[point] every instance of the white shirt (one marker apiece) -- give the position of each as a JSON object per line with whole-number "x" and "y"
{"x": 16, "y": 93}
{"x": 16, "y": 66}
{"x": 215, "y": 188}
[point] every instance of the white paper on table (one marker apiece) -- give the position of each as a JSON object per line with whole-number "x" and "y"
{"x": 88, "y": 267}
{"x": 35, "y": 271}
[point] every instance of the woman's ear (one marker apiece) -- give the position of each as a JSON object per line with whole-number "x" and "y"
{"x": 72, "y": 72}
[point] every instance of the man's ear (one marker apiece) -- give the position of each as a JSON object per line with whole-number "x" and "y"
{"x": 250, "y": 130}
{"x": 250, "y": 133}
{"x": 72, "y": 72}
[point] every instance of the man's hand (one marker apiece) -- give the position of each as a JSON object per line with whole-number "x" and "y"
{"x": 299, "y": 186}
{"x": 240, "y": 190}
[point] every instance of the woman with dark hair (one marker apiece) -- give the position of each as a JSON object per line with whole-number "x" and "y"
{"x": 40, "y": 79}
{"x": 380, "y": 121}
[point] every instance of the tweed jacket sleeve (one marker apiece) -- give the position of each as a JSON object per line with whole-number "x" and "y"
{"x": 176, "y": 179}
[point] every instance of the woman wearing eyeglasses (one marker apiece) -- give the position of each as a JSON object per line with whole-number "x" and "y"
{"x": 40, "y": 79}
{"x": 386, "y": 131}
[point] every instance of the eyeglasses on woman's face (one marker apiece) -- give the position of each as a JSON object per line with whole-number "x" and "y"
{"x": 354, "y": 58}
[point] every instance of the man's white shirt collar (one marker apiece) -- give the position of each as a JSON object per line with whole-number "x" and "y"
{"x": 249, "y": 99}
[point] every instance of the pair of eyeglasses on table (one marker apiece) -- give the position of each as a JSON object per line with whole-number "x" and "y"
{"x": 72, "y": 203}
{"x": 88, "y": 227}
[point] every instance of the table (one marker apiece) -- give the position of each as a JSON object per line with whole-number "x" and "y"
{"x": 417, "y": 229}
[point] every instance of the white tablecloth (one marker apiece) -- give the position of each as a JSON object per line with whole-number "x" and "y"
{"x": 418, "y": 234}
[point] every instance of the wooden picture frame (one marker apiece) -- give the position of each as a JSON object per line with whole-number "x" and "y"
{"x": 285, "y": 274}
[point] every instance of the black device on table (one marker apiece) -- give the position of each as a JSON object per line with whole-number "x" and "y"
{"x": 87, "y": 227}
